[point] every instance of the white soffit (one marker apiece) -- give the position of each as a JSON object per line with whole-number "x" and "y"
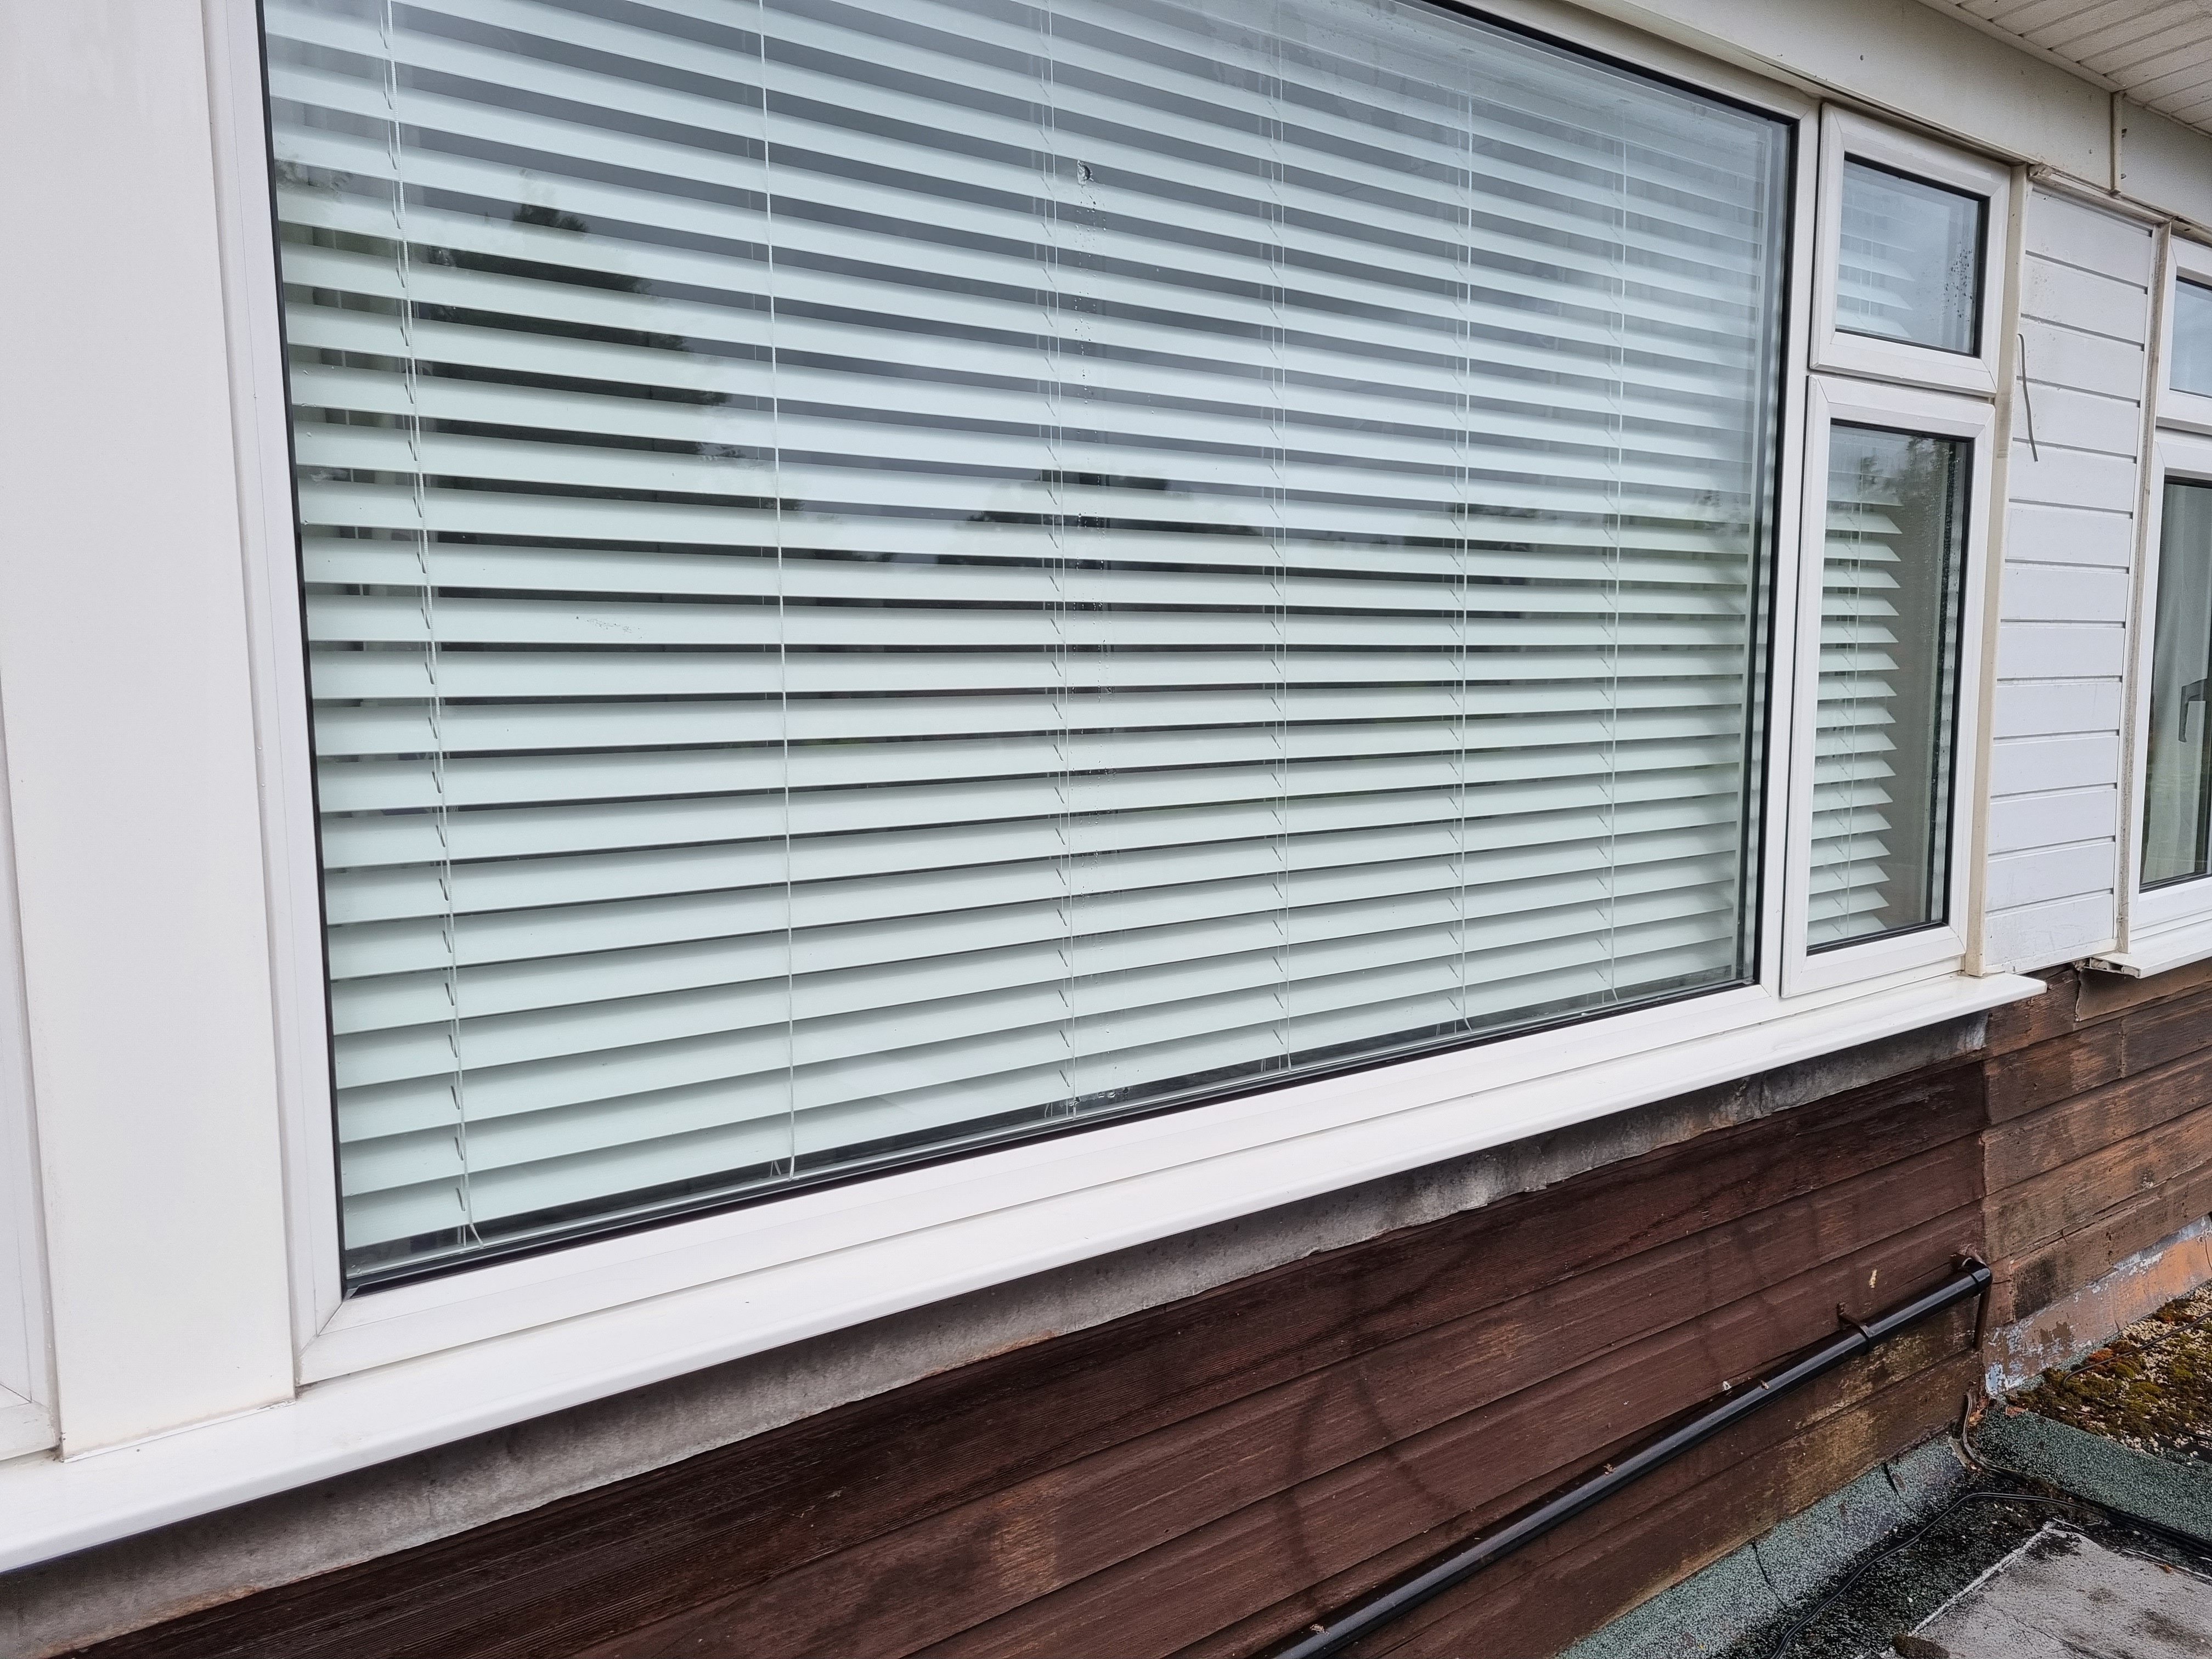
{"x": 2157, "y": 52}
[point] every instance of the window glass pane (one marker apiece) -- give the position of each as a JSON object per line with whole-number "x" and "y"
{"x": 887, "y": 575}
{"x": 2177, "y": 800}
{"x": 1889, "y": 675}
{"x": 2193, "y": 338}
{"x": 1912, "y": 261}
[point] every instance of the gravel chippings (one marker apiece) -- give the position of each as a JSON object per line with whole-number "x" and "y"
{"x": 2149, "y": 1388}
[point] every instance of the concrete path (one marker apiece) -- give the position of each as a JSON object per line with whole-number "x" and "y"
{"x": 2062, "y": 1596}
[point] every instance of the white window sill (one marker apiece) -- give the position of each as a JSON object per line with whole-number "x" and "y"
{"x": 427, "y": 1364}
{"x": 2149, "y": 953}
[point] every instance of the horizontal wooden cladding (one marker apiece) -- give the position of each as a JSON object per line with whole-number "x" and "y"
{"x": 1682, "y": 1519}
{"x": 1207, "y": 1478}
{"x": 1636, "y": 1562}
{"x": 1470, "y": 1469}
{"x": 2100, "y": 1137}
{"x": 1648, "y": 1535}
{"x": 1165, "y": 1481}
{"x": 2094, "y": 1124}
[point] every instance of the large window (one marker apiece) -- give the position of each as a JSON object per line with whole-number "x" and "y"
{"x": 1896, "y": 506}
{"x": 882, "y": 577}
{"x": 2183, "y": 377}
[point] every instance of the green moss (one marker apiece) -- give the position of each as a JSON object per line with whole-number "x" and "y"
{"x": 2150, "y": 1387}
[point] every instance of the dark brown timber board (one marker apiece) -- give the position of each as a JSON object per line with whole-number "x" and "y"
{"x": 2029, "y": 1079}
{"x": 2048, "y": 1207}
{"x": 626, "y": 1554}
{"x": 2080, "y": 1127}
{"x": 1621, "y": 1521}
{"x": 2038, "y": 1018}
{"x": 1214, "y": 1474}
{"x": 1326, "y": 1516}
{"x": 1601, "y": 1564}
{"x": 2033, "y": 1281}
{"x": 2134, "y": 1038}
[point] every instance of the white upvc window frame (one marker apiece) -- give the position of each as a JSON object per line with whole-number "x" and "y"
{"x": 27, "y": 1418}
{"x": 1844, "y": 135}
{"x": 1164, "y": 1175}
{"x": 423, "y": 1362}
{"x": 1940, "y": 947}
{"x": 2185, "y": 261}
{"x": 2169, "y": 924}
{"x": 1167, "y": 1173}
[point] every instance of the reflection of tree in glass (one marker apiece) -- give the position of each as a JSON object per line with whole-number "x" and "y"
{"x": 1899, "y": 575}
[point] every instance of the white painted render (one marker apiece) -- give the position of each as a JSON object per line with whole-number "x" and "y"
{"x": 132, "y": 787}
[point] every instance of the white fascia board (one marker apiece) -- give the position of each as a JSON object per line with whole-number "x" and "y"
{"x": 1903, "y": 56}
{"x": 49, "y": 1507}
{"x": 2164, "y": 164}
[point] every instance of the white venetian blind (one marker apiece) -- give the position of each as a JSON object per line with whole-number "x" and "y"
{"x": 882, "y": 575}
{"x": 1888, "y": 675}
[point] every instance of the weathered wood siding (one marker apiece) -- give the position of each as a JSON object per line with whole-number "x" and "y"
{"x": 1208, "y": 1478}
{"x": 2100, "y": 1136}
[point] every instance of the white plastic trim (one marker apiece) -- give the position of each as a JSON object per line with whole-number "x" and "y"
{"x": 49, "y": 1507}
{"x": 2158, "y": 952}
{"x": 24, "y": 1424}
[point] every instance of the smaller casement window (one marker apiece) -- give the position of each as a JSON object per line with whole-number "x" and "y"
{"x": 2168, "y": 906}
{"x": 1892, "y": 577}
{"x": 2177, "y": 754}
{"x": 1897, "y": 493}
{"x": 1911, "y": 259}
{"x": 1902, "y": 290}
{"x": 2189, "y": 364}
{"x": 2184, "y": 375}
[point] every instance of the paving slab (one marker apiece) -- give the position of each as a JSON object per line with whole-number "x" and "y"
{"x": 2064, "y": 1596}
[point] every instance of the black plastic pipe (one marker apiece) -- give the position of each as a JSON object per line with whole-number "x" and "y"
{"x": 1973, "y": 1279}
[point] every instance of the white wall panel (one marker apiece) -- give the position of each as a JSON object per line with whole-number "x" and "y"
{"x": 2030, "y": 765}
{"x": 2026, "y": 709}
{"x": 2052, "y": 880}
{"x": 2026, "y": 823}
{"x": 2080, "y": 871}
{"x": 2034, "y": 651}
{"x": 2068, "y": 593}
{"x": 132, "y": 783}
{"x": 2035, "y": 533}
{"x": 2164, "y": 163}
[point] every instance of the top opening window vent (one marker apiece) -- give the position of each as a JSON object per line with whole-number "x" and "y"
{"x": 1912, "y": 261}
